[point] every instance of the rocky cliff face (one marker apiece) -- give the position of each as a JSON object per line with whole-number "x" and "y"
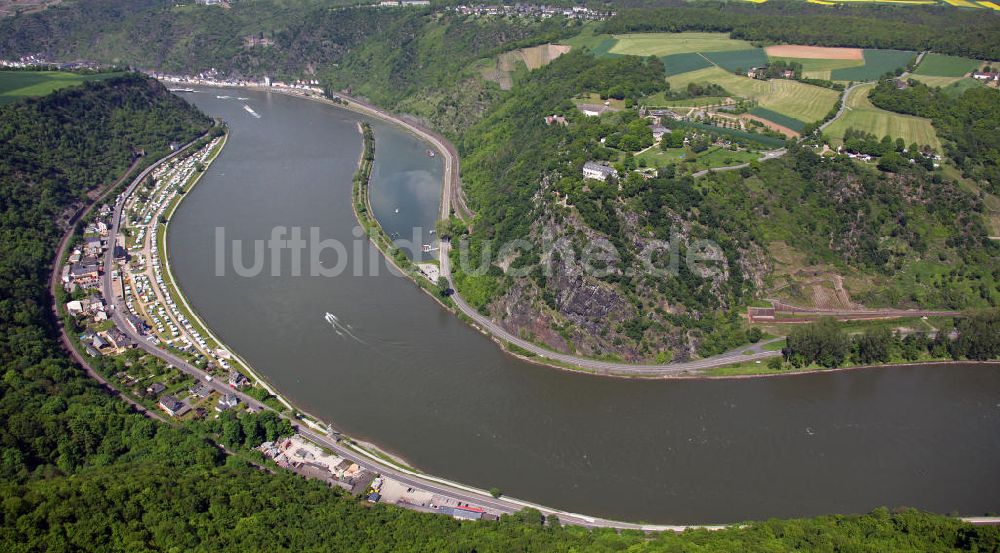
{"x": 576, "y": 304}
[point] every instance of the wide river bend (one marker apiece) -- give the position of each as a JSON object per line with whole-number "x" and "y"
{"x": 421, "y": 384}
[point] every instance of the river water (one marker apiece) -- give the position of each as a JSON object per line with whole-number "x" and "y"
{"x": 421, "y": 384}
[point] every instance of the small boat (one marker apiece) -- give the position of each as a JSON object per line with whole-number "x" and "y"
{"x": 430, "y": 153}
{"x": 397, "y": 210}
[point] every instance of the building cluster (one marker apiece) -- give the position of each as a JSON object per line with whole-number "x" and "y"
{"x": 987, "y": 76}
{"x": 212, "y": 77}
{"x": 540, "y": 11}
{"x": 301, "y": 456}
{"x": 137, "y": 278}
{"x": 36, "y": 62}
{"x": 403, "y": 3}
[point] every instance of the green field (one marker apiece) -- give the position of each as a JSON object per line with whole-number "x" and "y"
{"x": 675, "y": 64}
{"x": 936, "y": 81}
{"x": 660, "y": 100}
{"x": 806, "y": 103}
{"x": 961, "y": 85}
{"x": 738, "y": 60}
{"x": 783, "y": 120}
{"x": 862, "y": 115}
{"x": 939, "y": 65}
{"x": 877, "y": 63}
{"x": 665, "y": 44}
{"x": 819, "y": 68}
{"x": 15, "y": 85}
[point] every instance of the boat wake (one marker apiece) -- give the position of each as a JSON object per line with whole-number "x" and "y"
{"x": 342, "y": 329}
{"x": 251, "y": 111}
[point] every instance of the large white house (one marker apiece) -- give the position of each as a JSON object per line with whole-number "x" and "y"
{"x": 593, "y": 170}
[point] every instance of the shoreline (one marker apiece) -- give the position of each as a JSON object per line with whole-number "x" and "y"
{"x": 541, "y": 356}
{"x": 481, "y": 496}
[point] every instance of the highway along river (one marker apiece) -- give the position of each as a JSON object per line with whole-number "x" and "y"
{"x": 419, "y": 383}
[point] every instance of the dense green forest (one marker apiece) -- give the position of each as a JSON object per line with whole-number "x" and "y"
{"x": 827, "y": 344}
{"x": 968, "y": 121}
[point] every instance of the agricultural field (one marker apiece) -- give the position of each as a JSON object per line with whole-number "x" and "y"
{"x": 820, "y": 68}
{"x": 778, "y": 119}
{"x": 862, "y": 115}
{"x": 738, "y": 61}
{"x": 660, "y": 100}
{"x": 940, "y": 65}
{"x": 665, "y": 44}
{"x": 877, "y": 63}
{"x": 939, "y": 82}
{"x": 15, "y": 85}
{"x": 675, "y": 64}
{"x": 817, "y": 61}
{"x": 806, "y": 103}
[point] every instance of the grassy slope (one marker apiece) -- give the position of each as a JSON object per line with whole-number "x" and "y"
{"x": 877, "y": 63}
{"x": 938, "y": 65}
{"x": 800, "y": 101}
{"x": 664, "y": 44}
{"x": 19, "y": 84}
{"x": 861, "y": 114}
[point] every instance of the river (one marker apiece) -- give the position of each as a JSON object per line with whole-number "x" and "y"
{"x": 419, "y": 383}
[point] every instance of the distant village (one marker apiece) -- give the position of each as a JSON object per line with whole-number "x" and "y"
{"x": 533, "y": 10}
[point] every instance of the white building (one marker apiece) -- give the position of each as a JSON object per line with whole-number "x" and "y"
{"x": 593, "y": 170}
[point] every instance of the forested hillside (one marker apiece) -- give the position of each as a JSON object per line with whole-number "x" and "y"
{"x": 907, "y": 236}
{"x": 295, "y": 38}
{"x": 80, "y": 472}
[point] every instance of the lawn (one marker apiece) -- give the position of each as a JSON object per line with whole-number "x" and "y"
{"x": 15, "y": 85}
{"x": 655, "y": 157}
{"x": 939, "y": 65}
{"x": 877, "y": 63}
{"x": 716, "y": 157}
{"x": 806, "y": 103}
{"x": 665, "y": 44}
{"x": 862, "y": 115}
